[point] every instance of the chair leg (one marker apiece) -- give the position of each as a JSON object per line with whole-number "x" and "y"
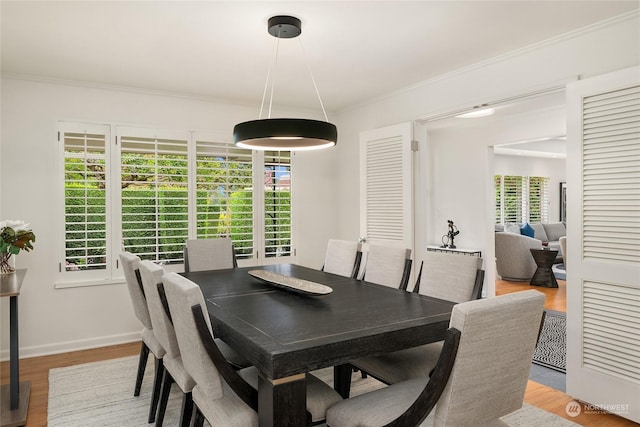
{"x": 164, "y": 398}
{"x": 198, "y": 418}
{"x": 142, "y": 365}
{"x": 187, "y": 410}
{"x": 155, "y": 395}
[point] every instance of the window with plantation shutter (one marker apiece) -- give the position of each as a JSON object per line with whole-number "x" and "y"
{"x": 147, "y": 191}
{"x": 85, "y": 198}
{"x": 521, "y": 199}
{"x": 224, "y": 195}
{"x": 277, "y": 204}
{"x": 538, "y": 199}
{"x": 513, "y": 200}
{"x": 154, "y": 197}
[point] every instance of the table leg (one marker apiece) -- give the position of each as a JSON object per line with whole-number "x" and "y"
{"x": 342, "y": 379}
{"x": 14, "y": 361}
{"x": 282, "y": 402}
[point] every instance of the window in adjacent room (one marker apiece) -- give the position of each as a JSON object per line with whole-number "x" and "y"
{"x": 521, "y": 199}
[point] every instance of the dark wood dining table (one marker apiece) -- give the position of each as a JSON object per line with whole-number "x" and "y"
{"x": 285, "y": 335}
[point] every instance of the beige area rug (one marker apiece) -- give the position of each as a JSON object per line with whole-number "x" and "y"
{"x": 101, "y": 394}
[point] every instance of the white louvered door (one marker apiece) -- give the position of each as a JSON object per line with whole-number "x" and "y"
{"x": 386, "y": 186}
{"x": 603, "y": 242}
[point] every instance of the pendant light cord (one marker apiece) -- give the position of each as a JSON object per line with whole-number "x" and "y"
{"x": 274, "y": 59}
{"x": 273, "y": 65}
{"x": 313, "y": 80}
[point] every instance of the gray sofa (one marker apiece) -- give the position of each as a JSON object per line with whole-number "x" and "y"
{"x": 513, "y": 258}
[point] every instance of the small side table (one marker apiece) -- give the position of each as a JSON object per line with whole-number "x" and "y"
{"x": 14, "y": 397}
{"x": 544, "y": 276}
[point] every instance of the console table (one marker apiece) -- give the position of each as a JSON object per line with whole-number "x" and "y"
{"x": 460, "y": 251}
{"x": 14, "y": 397}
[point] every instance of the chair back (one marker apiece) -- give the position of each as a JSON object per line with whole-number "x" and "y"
{"x": 451, "y": 276}
{"x": 209, "y": 254}
{"x": 388, "y": 266}
{"x": 563, "y": 250}
{"x": 130, "y": 263}
{"x": 182, "y": 294}
{"x": 162, "y": 327}
{"x": 343, "y": 257}
{"x": 492, "y": 366}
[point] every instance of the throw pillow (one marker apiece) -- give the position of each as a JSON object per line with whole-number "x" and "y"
{"x": 526, "y": 230}
{"x": 512, "y": 228}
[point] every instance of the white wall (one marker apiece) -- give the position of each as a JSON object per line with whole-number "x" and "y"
{"x": 54, "y": 320}
{"x": 460, "y": 162}
{"x": 554, "y": 169}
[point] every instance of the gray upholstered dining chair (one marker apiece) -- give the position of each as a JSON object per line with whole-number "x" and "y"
{"x": 151, "y": 274}
{"x": 214, "y": 254}
{"x": 209, "y": 254}
{"x": 387, "y": 265}
{"x": 447, "y": 276}
{"x": 487, "y": 381}
{"x": 223, "y": 395}
{"x": 343, "y": 258}
{"x": 130, "y": 266}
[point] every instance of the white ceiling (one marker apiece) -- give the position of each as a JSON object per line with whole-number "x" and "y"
{"x": 357, "y": 50}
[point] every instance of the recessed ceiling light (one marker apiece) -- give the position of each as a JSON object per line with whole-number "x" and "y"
{"x": 477, "y": 112}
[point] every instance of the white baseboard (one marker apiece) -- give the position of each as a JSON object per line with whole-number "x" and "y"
{"x": 67, "y": 346}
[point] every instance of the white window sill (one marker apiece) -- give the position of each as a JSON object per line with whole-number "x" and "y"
{"x": 86, "y": 283}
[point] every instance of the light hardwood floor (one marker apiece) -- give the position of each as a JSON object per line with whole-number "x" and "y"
{"x": 36, "y": 370}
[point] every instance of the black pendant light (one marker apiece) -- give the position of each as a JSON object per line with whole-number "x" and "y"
{"x": 285, "y": 134}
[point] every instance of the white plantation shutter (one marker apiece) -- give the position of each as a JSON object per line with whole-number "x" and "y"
{"x": 85, "y": 152}
{"x": 154, "y": 196}
{"x": 277, "y": 204}
{"x": 538, "y": 197}
{"x": 513, "y": 200}
{"x": 224, "y": 195}
{"x": 521, "y": 199}
{"x": 611, "y": 159}
{"x": 497, "y": 188}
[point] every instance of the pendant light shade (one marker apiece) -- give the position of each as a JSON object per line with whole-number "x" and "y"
{"x": 285, "y": 134}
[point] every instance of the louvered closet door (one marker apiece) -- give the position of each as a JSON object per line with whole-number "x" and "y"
{"x": 603, "y": 242}
{"x": 386, "y": 186}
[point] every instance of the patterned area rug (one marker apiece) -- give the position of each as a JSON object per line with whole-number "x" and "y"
{"x": 551, "y": 350}
{"x": 101, "y": 394}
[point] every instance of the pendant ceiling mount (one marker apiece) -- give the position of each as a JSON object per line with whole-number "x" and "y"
{"x": 284, "y": 27}
{"x": 285, "y": 134}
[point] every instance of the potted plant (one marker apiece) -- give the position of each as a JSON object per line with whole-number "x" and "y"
{"x": 14, "y": 237}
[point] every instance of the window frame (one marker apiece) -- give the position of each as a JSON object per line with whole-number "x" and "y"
{"x": 112, "y": 274}
{"x": 523, "y": 187}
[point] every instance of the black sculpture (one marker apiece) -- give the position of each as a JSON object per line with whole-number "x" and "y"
{"x": 453, "y": 232}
